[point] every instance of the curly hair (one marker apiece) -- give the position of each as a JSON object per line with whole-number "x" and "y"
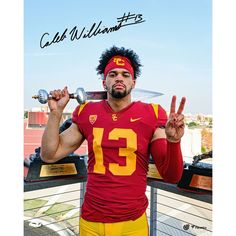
{"x": 115, "y": 51}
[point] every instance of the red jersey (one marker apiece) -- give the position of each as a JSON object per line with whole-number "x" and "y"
{"x": 118, "y": 158}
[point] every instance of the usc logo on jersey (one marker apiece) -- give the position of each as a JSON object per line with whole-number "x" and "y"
{"x": 114, "y": 117}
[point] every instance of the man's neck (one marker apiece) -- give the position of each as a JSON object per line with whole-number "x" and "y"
{"x": 117, "y": 104}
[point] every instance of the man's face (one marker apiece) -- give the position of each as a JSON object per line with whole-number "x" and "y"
{"x": 119, "y": 82}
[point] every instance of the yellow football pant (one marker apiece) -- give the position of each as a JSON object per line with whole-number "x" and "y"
{"x": 137, "y": 227}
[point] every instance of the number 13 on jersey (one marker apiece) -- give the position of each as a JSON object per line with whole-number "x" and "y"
{"x": 128, "y": 152}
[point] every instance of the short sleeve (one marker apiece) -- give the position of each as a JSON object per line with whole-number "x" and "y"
{"x": 77, "y": 111}
{"x": 160, "y": 114}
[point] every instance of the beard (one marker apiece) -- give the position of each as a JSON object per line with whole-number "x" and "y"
{"x": 120, "y": 94}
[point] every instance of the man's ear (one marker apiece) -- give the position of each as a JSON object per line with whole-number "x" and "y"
{"x": 134, "y": 83}
{"x": 104, "y": 84}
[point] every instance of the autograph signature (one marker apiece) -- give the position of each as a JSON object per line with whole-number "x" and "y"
{"x": 75, "y": 33}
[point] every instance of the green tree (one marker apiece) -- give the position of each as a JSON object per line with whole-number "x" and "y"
{"x": 203, "y": 149}
{"x": 192, "y": 124}
{"x": 25, "y": 114}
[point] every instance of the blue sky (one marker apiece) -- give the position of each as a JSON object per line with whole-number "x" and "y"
{"x": 174, "y": 45}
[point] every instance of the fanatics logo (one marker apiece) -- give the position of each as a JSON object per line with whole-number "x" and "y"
{"x": 92, "y": 119}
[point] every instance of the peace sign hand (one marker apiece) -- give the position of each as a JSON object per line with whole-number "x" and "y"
{"x": 175, "y": 124}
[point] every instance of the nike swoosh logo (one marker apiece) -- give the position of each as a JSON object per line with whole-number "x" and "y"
{"x": 135, "y": 119}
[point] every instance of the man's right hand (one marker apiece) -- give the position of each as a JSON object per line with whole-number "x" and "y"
{"x": 56, "y": 146}
{"x": 60, "y": 99}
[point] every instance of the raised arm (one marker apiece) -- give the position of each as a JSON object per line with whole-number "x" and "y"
{"x": 165, "y": 146}
{"x": 55, "y": 146}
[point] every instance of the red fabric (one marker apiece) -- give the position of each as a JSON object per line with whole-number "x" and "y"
{"x": 124, "y": 141}
{"x": 168, "y": 159}
{"x": 119, "y": 62}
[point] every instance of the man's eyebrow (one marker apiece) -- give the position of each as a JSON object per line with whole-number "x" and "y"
{"x": 115, "y": 71}
{"x": 112, "y": 71}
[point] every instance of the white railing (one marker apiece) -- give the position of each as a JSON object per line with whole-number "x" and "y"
{"x": 56, "y": 211}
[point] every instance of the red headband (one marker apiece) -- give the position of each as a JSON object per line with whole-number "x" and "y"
{"x": 119, "y": 62}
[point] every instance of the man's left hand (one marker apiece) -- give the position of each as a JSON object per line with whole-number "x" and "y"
{"x": 175, "y": 125}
